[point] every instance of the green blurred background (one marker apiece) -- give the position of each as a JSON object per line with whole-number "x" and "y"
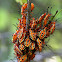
{"x": 9, "y": 14}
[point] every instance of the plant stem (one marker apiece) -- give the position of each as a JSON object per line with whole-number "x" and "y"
{"x": 28, "y": 14}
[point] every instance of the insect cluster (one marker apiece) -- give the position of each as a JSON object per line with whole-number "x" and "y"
{"x": 27, "y": 42}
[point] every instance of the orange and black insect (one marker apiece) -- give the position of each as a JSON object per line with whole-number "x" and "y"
{"x": 22, "y": 47}
{"x": 39, "y": 21}
{"x": 17, "y": 50}
{"x": 42, "y": 33}
{"x": 46, "y": 19}
{"x": 33, "y": 23}
{"x": 32, "y": 56}
{"x": 22, "y": 38}
{"x": 25, "y": 6}
{"x": 32, "y": 35}
{"x": 41, "y": 18}
{"x": 52, "y": 28}
{"x": 23, "y": 58}
{"x": 20, "y": 23}
{"x": 39, "y": 42}
{"x": 27, "y": 42}
{"x": 32, "y": 47}
{"x": 15, "y": 36}
{"x": 23, "y": 21}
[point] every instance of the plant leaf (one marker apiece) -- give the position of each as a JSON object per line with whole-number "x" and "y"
{"x": 21, "y": 1}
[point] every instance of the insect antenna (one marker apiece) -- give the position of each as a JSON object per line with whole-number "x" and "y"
{"x": 50, "y": 10}
{"x": 12, "y": 60}
{"x": 51, "y": 49}
{"x": 15, "y": 26}
{"x": 10, "y": 40}
{"x": 47, "y": 10}
{"x": 54, "y": 15}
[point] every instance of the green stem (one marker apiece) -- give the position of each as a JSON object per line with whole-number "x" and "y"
{"x": 56, "y": 14}
{"x": 28, "y": 14}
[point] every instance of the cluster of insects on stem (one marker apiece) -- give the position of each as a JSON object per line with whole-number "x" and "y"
{"x": 27, "y": 42}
